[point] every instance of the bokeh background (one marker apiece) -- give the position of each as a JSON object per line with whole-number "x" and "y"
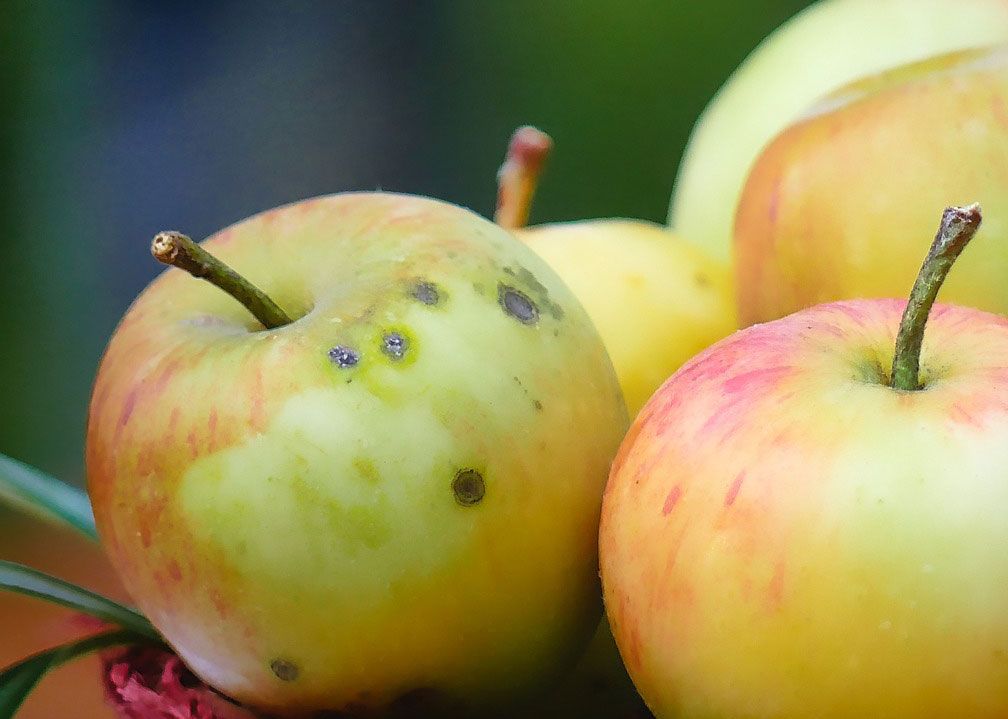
{"x": 119, "y": 119}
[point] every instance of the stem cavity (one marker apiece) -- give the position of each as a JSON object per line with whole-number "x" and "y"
{"x": 175, "y": 249}
{"x": 519, "y": 175}
{"x": 958, "y": 225}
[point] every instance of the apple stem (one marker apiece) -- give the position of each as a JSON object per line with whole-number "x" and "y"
{"x": 519, "y": 175}
{"x": 175, "y": 249}
{"x": 958, "y": 225}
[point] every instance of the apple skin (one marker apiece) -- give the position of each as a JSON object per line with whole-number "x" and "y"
{"x": 294, "y": 528}
{"x": 822, "y": 48}
{"x": 655, "y": 299}
{"x": 783, "y": 535}
{"x": 900, "y": 145}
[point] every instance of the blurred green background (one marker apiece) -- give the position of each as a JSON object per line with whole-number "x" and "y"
{"x": 119, "y": 119}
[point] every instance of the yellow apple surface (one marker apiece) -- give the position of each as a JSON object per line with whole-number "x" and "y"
{"x": 388, "y": 505}
{"x": 655, "y": 299}
{"x": 824, "y": 47}
{"x": 839, "y": 204}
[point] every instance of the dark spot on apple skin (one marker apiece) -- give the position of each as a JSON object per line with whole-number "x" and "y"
{"x": 537, "y": 404}
{"x": 701, "y": 280}
{"x": 426, "y": 292}
{"x": 284, "y": 670}
{"x": 344, "y": 357}
{"x": 468, "y": 487}
{"x": 536, "y": 290}
{"x": 394, "y": 345}
{"x": 517, "y": 304}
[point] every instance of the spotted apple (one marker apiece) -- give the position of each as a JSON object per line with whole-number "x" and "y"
{"x": 383, "y": 494}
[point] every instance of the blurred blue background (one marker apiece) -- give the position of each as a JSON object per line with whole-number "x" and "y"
{"x": 119, "y": 119}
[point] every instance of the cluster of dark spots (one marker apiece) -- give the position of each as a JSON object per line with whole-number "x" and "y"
{"x": 394, "y": 345}
{"x": 468, "y": 487}
{"x": 426, "y": 292}
{"x": 537, "y": 290}
{"x": 535, "y": 403}
{"x": 284, "y": 670}
{"x": 344, "y": 357}
{"x": 517, "y": 304}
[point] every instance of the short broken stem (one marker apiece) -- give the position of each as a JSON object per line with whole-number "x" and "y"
{"x": 958, "y": 225}
{"x": 519, "y": 175}
{"x": 175, "y": 249}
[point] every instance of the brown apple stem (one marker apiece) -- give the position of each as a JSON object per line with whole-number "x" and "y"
{"x": 958, "y": 225}
{"x": 519, "y": 175}
{"x": 175, "y": 249}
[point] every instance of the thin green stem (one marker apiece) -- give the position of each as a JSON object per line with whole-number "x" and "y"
{"x": 958, "y": 225}
{"x": 174, "y": 248}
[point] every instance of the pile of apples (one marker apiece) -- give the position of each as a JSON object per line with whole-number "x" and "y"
{"x": 377, "y": 469}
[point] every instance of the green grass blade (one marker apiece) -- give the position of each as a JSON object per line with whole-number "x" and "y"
{"x": 25, "y": 580}
{"x": 17, "y": 680}
{"x": 33, "y": 491}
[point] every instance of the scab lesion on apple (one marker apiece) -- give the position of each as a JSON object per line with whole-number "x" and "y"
{"x": 285, "y": 670}
{"x": 469, "y": 487}
{"x": 427, "y": 292}
{"x": 344, "y": 357}
{"x": 536, "y": 290}
{"x": 394, "y": 345}
{"x": 517, "y": 304}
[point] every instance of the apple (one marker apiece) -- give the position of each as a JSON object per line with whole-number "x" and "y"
{"x": 655, "y": 299}
{"x": 389, "y": 502}
{"x": 825, "y": 46}
{"x": 793, "y": 530}
{"x": 898, "y": 143}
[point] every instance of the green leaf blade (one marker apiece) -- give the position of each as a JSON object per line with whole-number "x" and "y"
{"x": 18, "y": 680}
{"x": 31, "y": 582}
{"x": 33, "y": 491}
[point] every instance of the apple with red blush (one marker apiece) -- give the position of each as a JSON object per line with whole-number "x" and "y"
{"x": 807, "y": 519}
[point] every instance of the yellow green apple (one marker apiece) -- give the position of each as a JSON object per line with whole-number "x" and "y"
{"x": 789, "y": 532}
{"x": 825, "y": 46}
{"x": 388, "y": 503}
{"x": 655, "y": 299}
{"x": 835, "y": 204}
